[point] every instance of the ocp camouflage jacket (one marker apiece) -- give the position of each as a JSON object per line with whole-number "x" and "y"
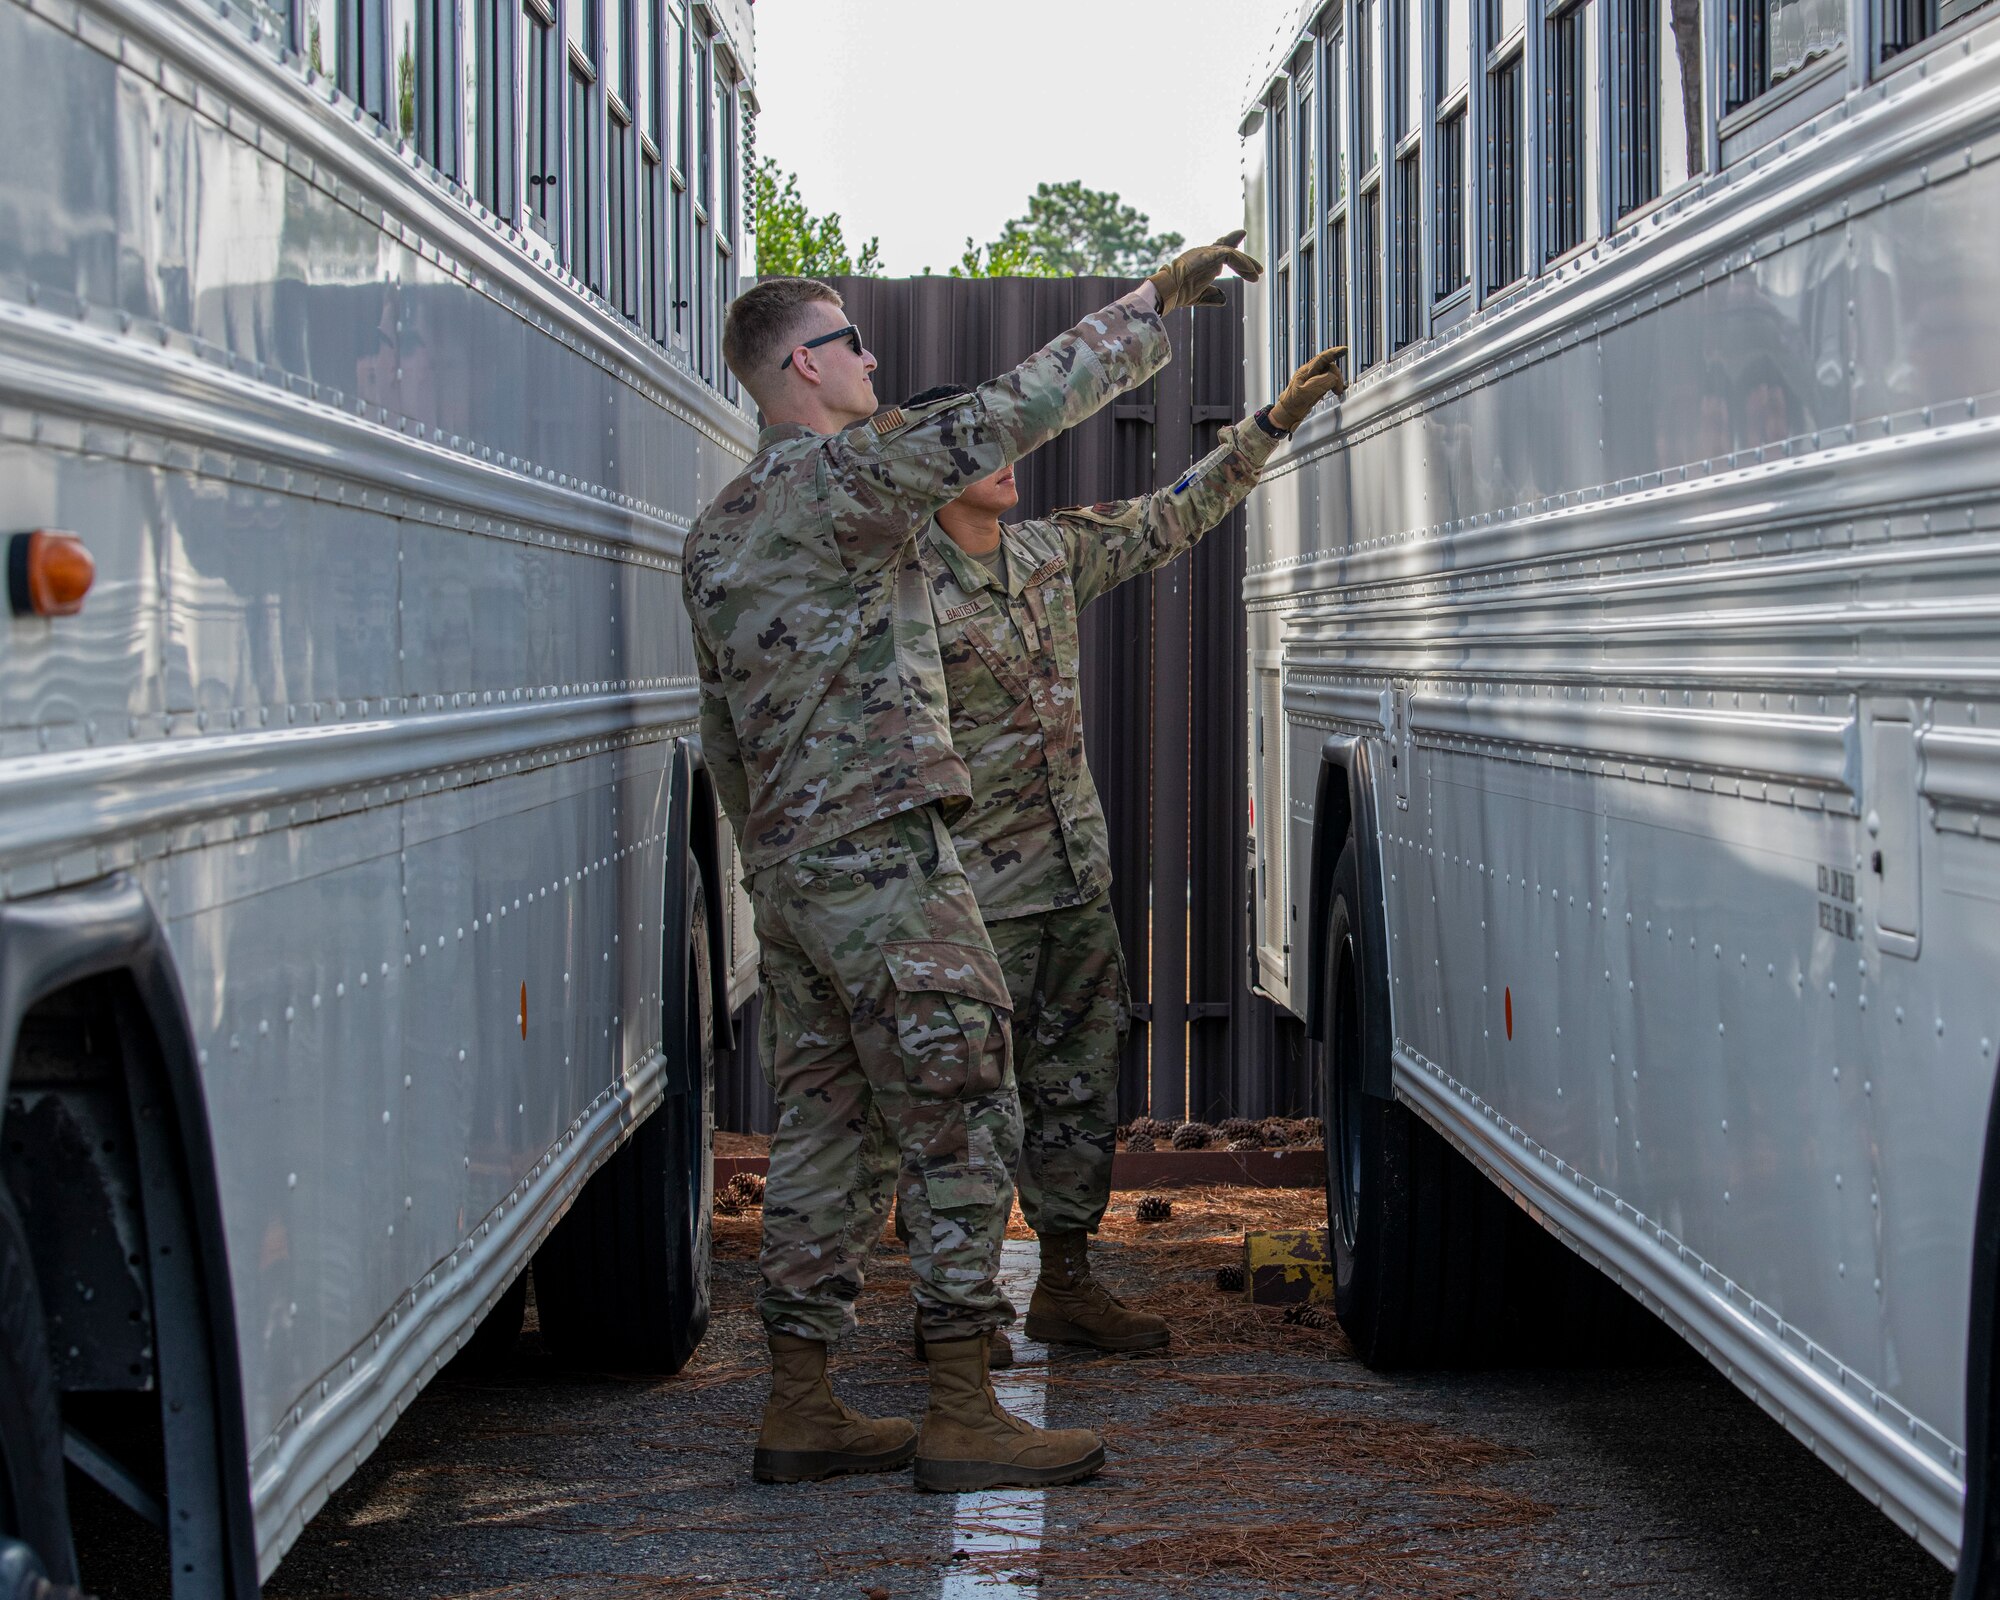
{"x": 1034, "y": 839}
{"x": 822, "y": 694}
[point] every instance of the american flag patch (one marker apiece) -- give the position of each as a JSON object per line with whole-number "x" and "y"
{"x": 887, "y": 421}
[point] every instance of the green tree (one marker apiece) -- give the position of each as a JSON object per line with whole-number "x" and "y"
{"x": 1009, "y": 256}
{"x": 792, "y": 242}
{"x": 1071, "y": 231}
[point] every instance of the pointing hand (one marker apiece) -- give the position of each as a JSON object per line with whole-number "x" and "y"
{"x": 1311, "y": 384}
{"x": 1189, "y": 279}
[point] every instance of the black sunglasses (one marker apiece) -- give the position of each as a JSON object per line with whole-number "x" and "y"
{"x": 850, "y": 333}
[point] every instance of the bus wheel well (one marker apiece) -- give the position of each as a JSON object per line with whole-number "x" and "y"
{"x": 703, "y": 815}
{"x": 107, "y": 1155}
{"x": 1344, "y": 808}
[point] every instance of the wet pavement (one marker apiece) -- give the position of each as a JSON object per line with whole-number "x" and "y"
{"x": 1257, "y": 1460}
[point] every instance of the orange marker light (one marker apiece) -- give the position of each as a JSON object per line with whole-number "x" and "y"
{"x": 48, "y": 574}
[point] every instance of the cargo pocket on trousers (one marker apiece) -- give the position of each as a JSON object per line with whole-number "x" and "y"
{"x": 966, "y": 1186}
{"x": 952, "y": 1010}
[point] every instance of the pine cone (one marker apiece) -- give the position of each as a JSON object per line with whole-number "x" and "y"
{"x": 1234, "y": 1128}
{"x": 742, "y": 1192}
{"x": 1304, "y": 1314}
{"x": 1230, "y": 1279}
{"x": 1141, "y": 1142}
{"x": 1312, "y": 1131}
{"x": 1155, "y": 1208}
{"x": 1192, "y": 1136}
{"x": 1252, "y": 1143}
{"x": 1146, "y": 1126}
{"x": 1273, "y": 1131}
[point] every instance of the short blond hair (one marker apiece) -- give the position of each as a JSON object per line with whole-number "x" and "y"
{"x": 761, "y": 321}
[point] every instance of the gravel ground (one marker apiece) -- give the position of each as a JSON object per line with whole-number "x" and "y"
{"x": 1259, "y": 1460}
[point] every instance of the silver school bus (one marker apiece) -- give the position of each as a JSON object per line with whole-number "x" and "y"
{"x": 1625, "y": 662}
{"x": 362, "y": 929}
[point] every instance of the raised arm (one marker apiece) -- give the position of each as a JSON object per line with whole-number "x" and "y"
{"x": 892, "y": 472}
{"x": 1119, "y": 539}
{"x": 889, "y": 474}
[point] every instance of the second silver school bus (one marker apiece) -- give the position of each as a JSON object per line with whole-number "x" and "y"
{"x": 365, "y": 923}
{"x": 1624, "y": 658}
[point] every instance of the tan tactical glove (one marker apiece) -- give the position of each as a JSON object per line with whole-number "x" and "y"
{"x": 1189, "y": 279}
{"x": 1311, "y": 384}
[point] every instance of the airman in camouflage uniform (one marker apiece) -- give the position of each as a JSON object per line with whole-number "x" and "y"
{"x": 823, "y": 717}
{"x": 1034, "y": 843}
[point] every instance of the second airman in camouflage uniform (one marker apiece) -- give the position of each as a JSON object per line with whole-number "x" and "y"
{"x": 1034, "y": 845}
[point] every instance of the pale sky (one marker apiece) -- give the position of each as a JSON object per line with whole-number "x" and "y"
{"x": 924, "y": 121}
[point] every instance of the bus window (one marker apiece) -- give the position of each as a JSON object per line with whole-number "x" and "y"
{"x": 402, "y": 117}
{"x": 436, "y": 111}
{"x": 1681, "y": 123}
{"x": 492, "y": 51}
{"x": 621, "y": 157}
{"x": 1908, "y": 22}
{"x": 361, "y": 56}
{"x": 1769, "y": 41}
{"x": 1504, "y": 166}
{"x": 1452, "y": 28}
{"x": 1408, "y": 289}
{"x": 1333, "y": 146}
{"x": 728, "y": 186}
{"x": 544, "y": 119}
{"x": 1366, "y": 49}
{"x": 1656, "y": 99}
{"x": 316, "y": 36}
{"x": 585, "y": 157}
{"x": 1279, "y": 188}
{"x": 1306, "y": 202}
{"x": 1569, "y": 162}
{"x": 1368, "y": 279}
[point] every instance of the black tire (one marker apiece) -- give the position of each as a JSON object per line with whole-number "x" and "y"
{"x": 494, "y": 1344}
{"x": 34, "y": 1508}
{"x": 622, "y": 1283}
{"x": 1421, "y": 1241}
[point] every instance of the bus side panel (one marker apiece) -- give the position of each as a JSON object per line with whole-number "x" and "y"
{"x": 1687, "y": 568}
{"x": 395, "y": 512}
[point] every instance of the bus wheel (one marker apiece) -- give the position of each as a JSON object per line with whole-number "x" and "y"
{"x": 622, "y": 1283}
{"x": 1417, "y": 1233}
{"x": 34, "y": 1512}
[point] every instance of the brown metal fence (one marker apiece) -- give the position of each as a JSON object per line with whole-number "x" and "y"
{"x": 1165, "y": 701}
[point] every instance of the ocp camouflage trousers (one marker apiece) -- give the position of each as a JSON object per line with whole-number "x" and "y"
{"x": 885, "y": 1023}
{"x": 1065, "y": 971}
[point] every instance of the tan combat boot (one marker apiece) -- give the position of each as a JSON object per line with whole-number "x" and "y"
{"x": 1069, "y": 1306}
{"x": 999, "y": 1348}
{"x": 969, "y": 1442}
{"x": 809, "y": 1434}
